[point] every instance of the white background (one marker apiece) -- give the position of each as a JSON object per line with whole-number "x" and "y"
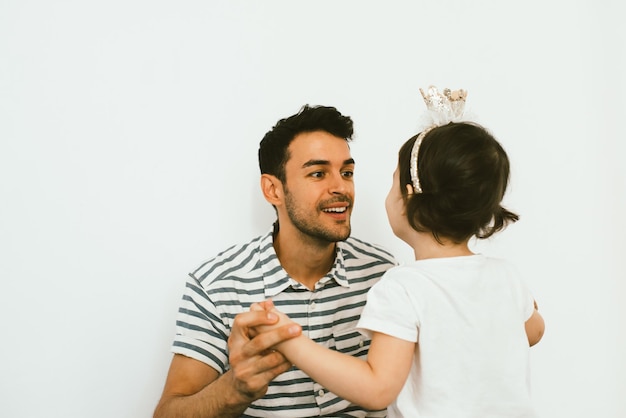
{"x": 128, "y": 139}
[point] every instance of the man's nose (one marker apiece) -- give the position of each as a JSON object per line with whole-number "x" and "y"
{"x": 339, "y": 184}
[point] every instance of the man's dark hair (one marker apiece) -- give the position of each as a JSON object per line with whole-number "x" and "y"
{"x": 273, "y": 149}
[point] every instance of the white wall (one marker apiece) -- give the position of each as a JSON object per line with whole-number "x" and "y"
{"x": 128, "y": 140}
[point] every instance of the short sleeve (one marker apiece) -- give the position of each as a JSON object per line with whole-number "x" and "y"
{"x": 390, "y": 310}
{"x": 527, "y": 301}
{"x": 200, "y": 334}
{"x": 525, "y": 298}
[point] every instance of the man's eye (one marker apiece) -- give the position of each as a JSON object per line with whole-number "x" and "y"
{"x": 348, "y": 173}
{"x": 317, "y": 174}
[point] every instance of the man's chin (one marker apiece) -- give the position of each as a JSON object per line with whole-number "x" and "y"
{"x": 342, "y": 236}
{"x": 328, "y": 235}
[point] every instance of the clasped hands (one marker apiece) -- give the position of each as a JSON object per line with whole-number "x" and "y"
{"x": 253, "y": 358}
{"x": 270, "y": 309}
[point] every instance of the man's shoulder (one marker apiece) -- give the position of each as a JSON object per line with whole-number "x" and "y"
{"x": 241, "y": 256}
{"x": 356, "y": 249}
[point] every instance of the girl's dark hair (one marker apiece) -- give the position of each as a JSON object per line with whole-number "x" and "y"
{"x": 273, "y": 149}
{"x": 463, "y": 172}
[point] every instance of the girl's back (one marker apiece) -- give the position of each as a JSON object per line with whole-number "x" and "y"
{"x": 467, "y": 315}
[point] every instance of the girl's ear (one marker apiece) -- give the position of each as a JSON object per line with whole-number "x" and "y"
{"x": 272, "y": 189}
{"x": 409, "y": 189}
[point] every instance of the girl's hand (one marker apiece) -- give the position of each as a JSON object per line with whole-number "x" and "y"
{"x": 268, "y": 306}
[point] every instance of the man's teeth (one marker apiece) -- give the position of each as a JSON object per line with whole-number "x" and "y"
{"x": 337, "y": 210}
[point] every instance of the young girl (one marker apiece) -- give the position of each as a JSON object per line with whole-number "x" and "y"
{"x": 450, "y": 331}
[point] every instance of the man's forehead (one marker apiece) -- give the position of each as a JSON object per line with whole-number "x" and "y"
{"x": 319, "y": 146}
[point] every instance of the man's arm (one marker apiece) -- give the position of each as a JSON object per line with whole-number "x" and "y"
{"x": 196, "y": 390}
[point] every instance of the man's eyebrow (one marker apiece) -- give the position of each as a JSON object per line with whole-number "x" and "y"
{"x": 349, "y": 161}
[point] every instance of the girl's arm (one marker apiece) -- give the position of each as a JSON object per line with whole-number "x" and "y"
{"x": 373, "y": 383}
{"x": 535, "y": 326}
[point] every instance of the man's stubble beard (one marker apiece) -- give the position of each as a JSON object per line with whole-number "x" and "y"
{"x": 310, "y": 227}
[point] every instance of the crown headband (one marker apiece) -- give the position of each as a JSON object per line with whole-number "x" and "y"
{"x": 442, "y": 108}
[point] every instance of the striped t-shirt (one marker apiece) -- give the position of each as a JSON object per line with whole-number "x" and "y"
{"x": 228, "y": 284}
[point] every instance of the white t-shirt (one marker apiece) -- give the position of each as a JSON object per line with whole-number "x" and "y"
{"x": 467, "y": 316}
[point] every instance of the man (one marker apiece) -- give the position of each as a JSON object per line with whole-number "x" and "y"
{"x": 307, "y": 264}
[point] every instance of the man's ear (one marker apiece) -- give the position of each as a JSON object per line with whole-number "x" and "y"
{"x": 272, "y": 189}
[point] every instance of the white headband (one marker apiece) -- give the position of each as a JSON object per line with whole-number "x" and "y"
{"x": 442, "y": 108}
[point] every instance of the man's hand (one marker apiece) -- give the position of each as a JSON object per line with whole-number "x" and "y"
{"x": 268, "y": 307}
{"x": 195, "y": 389}
{"x": 253, "y": 362}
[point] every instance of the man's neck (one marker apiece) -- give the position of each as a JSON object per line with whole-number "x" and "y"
{"x": 305, "y": 260}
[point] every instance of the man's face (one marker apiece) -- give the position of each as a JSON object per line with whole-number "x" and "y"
{"x": 319, "y": 186}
